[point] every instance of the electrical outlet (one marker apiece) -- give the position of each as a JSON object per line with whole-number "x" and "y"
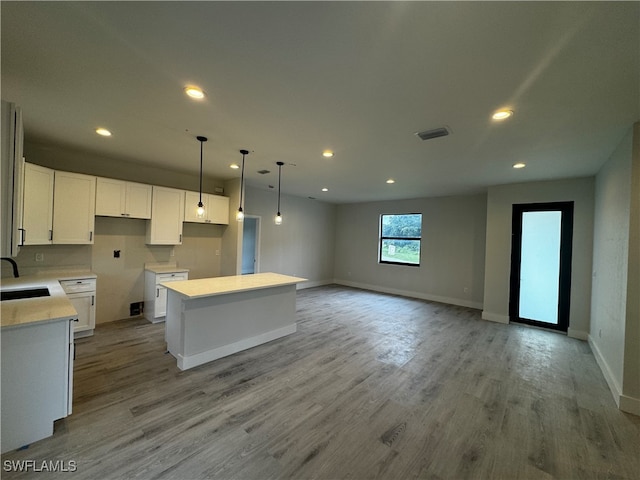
{"x": 39, "y": 257}
{"x": 217, "y": 252}
{"x": 466, "y": 289}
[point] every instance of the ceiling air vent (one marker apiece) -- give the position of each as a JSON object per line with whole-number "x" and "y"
{"x": 263, "y": 172}
{"x": 435, "y": 133}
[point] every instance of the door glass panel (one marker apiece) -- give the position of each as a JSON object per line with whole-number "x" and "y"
{"x": 540, "y": 266}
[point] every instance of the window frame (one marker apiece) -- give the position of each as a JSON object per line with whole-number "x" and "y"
{"x": 381, "y": 239}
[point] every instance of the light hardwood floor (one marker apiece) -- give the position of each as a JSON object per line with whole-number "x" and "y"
{"x": 371, "y": 386}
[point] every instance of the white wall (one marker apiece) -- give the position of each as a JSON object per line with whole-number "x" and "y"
{"x": 614, "y": 332}
{"x": 498, "y": 252}
{"x": 452, "y": 249}
{"x": 304, "y": 244}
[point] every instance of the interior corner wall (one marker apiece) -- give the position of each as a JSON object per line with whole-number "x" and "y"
{"x": 500, "y": 203}
{"x": 452, "y": 249}
{"x": 630, "y": 400}
{"x": 611, "y": 326}
{"x": 303, "y": 245}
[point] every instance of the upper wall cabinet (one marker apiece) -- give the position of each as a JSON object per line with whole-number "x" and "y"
{"x": 167, "y": 215}
{"x": 74, "y": 208}
{"x": 37, "y": 218}
{"x": 117, "y": 198}
{"x": 216, "y": 208}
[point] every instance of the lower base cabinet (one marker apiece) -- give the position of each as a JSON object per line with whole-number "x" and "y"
{"x": 155, "y": 295}
{"x": 37, "y": 380}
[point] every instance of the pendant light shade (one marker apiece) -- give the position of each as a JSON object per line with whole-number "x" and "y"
{"x": 200, "y": 208}
{"x": 240, "y": 213}
{"x": 278, "y": 219}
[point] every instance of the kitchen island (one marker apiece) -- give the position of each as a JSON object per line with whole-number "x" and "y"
{"x": 211, "y": 318}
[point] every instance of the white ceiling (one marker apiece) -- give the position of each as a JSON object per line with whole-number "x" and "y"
{"x": 287, "y": 80}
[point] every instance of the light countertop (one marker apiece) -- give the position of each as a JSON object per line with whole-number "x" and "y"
{"x": 165, "y": 269}
{"x": 41, "y": 309}
{"x": 207, "y": 287}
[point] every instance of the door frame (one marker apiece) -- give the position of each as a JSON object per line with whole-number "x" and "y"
{"x": 566, "y": 251}
{"x": 256, "y": 265}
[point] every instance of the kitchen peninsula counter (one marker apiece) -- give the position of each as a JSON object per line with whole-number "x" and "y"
{"x": 211, "y": 318}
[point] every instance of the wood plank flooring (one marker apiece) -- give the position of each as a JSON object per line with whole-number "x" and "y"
{"x": 371, "y": 386}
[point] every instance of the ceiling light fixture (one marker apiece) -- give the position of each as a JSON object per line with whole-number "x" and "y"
{"x": 103, "y": 131}
{"x": 327, "y": 154}
{"x": 391, "y": 180}
{"x": 194, "y": 92}
{"x": 325, "y": 189}
{"x": 240, "y": 214}
{"x": 519, "y": 165}
{"x": 200, "y": 209}
{"x": 278, "y": 219}
{"x": 235, "y": 166}
{"x": 502, "y": 114}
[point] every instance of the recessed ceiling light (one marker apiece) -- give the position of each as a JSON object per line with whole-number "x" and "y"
{"x": 391, "y": 180}
{"x": 194, "y": 92}
{"x": 502, "y": 114}
{"x": 235, "y": 166}
{"x": 519, "y": 165}
{"x": 103, "y": 131}
{"x": 327, "y": 153}
{"x": 325, "y": 189}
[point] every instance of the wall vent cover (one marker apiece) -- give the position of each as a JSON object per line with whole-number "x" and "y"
{"x": 434, "y": 133}
{"x": 263, "y": 172}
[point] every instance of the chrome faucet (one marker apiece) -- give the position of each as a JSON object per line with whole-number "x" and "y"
{"x": 14, "y": 264}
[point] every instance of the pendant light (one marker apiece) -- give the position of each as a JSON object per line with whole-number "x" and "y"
{"x": 240, "y": 214}
{"x": 278, "y": 219}
{"x": 200, "y": 209}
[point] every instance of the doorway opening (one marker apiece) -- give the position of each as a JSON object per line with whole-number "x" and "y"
{"x": 250, "y": 245}
{"x": 541, "y": 249}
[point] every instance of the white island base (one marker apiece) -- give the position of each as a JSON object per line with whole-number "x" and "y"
{"x": 211, "y": 318}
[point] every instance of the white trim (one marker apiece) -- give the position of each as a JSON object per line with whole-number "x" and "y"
{"x": 411, "y": 294}
{"x": 630, "y": 404}
{"x": 189, "y": 361}
{"x": 606, "y": 371}
{"x": 312, "y": 284}
{"x": 495, "y": 317}
{"x": 578, "y": 334}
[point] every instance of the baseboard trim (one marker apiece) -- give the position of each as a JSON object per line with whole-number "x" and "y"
{"x": 189, "y": 361}
{"x": 606, "y": 371}
{"x": 578, "y": 334}
{"x": 411, "y": 294}
{"x": 312, "y": 284}
{"x": 495, "y": 317}
{"x": 629, "y": 404}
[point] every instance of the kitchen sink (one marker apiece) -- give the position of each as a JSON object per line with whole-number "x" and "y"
{"x": 24, "y": 293}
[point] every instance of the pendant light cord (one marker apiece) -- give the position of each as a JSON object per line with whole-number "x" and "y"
{"x": 200, "y": 172}
{"x": 279, "y": 181}
{"x": 243, "y": 152}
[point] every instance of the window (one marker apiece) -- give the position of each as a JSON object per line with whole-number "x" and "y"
{"x": 400, "y": 236}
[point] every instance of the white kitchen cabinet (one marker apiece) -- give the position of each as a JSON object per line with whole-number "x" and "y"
{"x": 117, "y": 198}
{"x": 73, "y": 208}
{"x": 37, "y": 380}
{"x": 155, "y": 295}
{"x": 37, "y": 218}
{"x": 81, "y": 292}
{"x": 216, "y": 208}
{"x": 12, "y": 178}
{"x": 167, "y": 215}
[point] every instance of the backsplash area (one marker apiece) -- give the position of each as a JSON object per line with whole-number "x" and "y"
{"x": 121, "y": 278}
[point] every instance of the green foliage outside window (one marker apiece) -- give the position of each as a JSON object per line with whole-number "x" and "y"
{"x": 400, "y": 238}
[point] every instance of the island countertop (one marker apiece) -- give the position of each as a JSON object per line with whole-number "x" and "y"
{"x": 207, "y": 287}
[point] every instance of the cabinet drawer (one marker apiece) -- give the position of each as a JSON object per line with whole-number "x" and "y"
{"x": 172, "y": 277}
{"x": 80, "y": 285}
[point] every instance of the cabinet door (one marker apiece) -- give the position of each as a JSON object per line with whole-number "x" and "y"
{"x": 37, "y": 218}
{"x": 110, "y": 197}
{"x": 218, "y": 209}
{"x": 84, "y": 303}
{"x": 138, "y": 200}
{"x": 191, "y": 200}
{"x": 167, "y": 215}
{"x": 74, "y": 208}
{"x": 161, "y": 301}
